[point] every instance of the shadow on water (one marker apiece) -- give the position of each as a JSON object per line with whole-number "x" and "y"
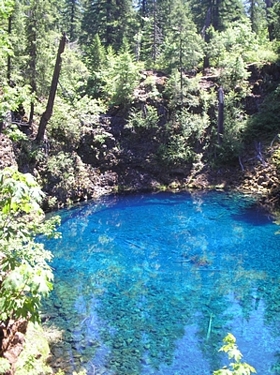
{"x": 253, "y": 215}
{"x": 151, "y": 286}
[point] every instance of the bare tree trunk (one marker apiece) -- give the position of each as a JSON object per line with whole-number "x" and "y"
{"x": 72, "y": 21}
{"x": 9, "y": 65}
{"x": 181, "y": 69}
{"x": 205, "y": 36}
{"x": 48, "y": 112}
{"x": 33, "y": 67}
{"x": 221, "y": 115}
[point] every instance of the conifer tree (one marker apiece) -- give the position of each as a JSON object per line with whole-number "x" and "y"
{"x": 109, "y": 19}
{"x": 39, "y": 23}
{"x": 183, "y": 45}
{"x": 257, "y": 15}
{"x": 71, "y": 11}
{"x": 154, "y": 21}
{"x": 94, "y": 54}
{"x": 217, "y": 13}
{"x": 274, "y": 24}
{"x": 152, "y": 37}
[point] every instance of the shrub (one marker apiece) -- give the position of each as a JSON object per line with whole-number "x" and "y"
{"x": 25, "y": 274}
{"x": 237, "y": 367}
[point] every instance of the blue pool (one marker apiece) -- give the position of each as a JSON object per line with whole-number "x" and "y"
{"x": 151, "y": 284}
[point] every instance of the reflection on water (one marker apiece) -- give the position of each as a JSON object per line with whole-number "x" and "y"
{"x": 150, "y": 284}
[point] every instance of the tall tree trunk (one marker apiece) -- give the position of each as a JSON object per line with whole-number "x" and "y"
{"x": 109, "y": 27}
{"x": 154, "y": 50}
{"x": 32, "y": 66}
{"x": 72, "y": 20}
{"x": 181, "y": 68}
{"x": 221, "y": 115}
{"x": 206, "y": 38}
{"x": 48, "y": 112}
{"x": 9, "y": 67}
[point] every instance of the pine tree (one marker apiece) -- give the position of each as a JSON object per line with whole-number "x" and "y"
{"x": 217, "y": 13}
{"x": 94, "y": 55}
{"x": 71, "y": 11}
{"x": 257, "y": 15}
{"x": 154, "y": 21}
{"x": 152, "y": 37}
{"x": 183, "y": 45}
{"x": 110, "y": 19}
{"x": 39, "y": 24}
{"x": 274, "y": 22}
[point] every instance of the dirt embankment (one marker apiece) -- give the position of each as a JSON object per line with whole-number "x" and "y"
{"x": 111, "y": 158}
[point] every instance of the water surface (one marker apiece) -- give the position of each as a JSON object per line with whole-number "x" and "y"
{"x": 151, "y": 284}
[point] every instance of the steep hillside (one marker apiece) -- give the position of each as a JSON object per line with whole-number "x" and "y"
{"x": 128, "y": 148}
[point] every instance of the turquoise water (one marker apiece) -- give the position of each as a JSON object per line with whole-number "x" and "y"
{"x": 151, "y": 284}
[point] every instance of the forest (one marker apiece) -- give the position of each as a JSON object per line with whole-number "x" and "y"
{"x": 83, "y": 82}
{"x": 112, "y": 96}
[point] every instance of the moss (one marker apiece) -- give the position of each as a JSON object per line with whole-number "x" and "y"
{"x": 33, "y": 358}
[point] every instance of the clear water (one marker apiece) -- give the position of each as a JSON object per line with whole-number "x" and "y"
{"x": 151, "y": 284}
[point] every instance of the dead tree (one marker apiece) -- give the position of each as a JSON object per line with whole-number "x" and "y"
{"x": 49, "y": 109}
{"x": 205, "y": 36}
{"x": 221, "y": 115}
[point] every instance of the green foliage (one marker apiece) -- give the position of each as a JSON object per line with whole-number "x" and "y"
{"x": 276, "y": 157}
{"x": 73, "y": 76}
{"x": 275, "y": 20}
{"x": 41, "y": 44}
{"x": 61, "y": 166}
{"x": 222, "y": 15}
{"x": 95, "y": 55}
{"x": 236, "y": 46}
{"x": 14, "y": 133}
{"x": 121, "y": 76}
{"x": 150, "y": 88}
{"x": 176, "y": 151}
{"x": 64, "y": 127}
{"x": 4, "y": 366}
{"x": 69, "y": 119}
{"x": 189, "y": 131}
{"x": 147, "y": 118}
{"x": 110, "y": 20}
{"x": 185, "y": 137}
{"x": 6, "y": 9}
{"x": 266, "y": 123}
{"x": 12, "y": 97}
{"x": 234, "y": 73}
{"x": 66, "y": 175}
{"x": 182, "y": 90}
{"x": 237, "y": 367}
{"x": 71, "y": 11}
{"x": 25, "y": 274}
{"x": 33, "y": 358}
{"x": 183, "y": 45}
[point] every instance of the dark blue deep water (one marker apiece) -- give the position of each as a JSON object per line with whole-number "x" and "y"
{"x": 151, "y": 284}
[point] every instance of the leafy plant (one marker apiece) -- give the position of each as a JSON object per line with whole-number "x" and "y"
{"x": 177, "y": 151}
{"x": 25, "y": 274}
{"x": 4, "y": 366}
{"x": 147, "y": 118}
{"x": 121, "y": 76}
{"x": 266, "y": 122}
{"x": 237, "y": 367}
{"x": 14, "y": 133}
